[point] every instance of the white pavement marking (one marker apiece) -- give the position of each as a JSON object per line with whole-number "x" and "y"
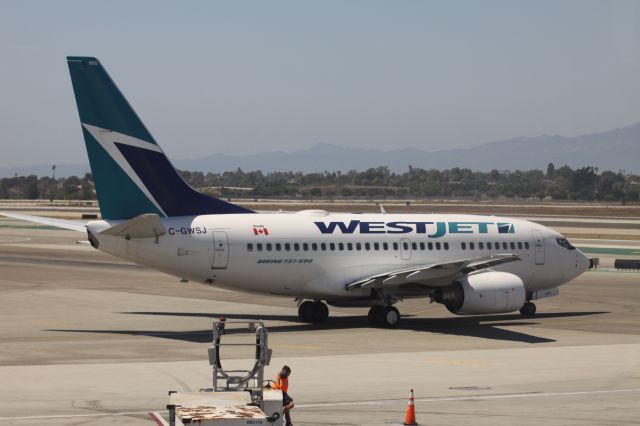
{"x": 467, "y": 398}
{"x": 73, "y": 416}
{"x": 353, "y": 403}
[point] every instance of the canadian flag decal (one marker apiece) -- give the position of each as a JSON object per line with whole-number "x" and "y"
{"x": 260, "y": 230}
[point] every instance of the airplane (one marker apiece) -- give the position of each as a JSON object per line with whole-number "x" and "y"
{"x": 471, "y": 264}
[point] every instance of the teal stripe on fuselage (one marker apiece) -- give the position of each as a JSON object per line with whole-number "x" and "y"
{"x": 119, "y": 197}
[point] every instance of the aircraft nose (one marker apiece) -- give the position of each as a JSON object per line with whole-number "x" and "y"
{"x": 582, "y": 262}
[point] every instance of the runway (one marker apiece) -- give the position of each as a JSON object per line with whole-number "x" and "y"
{"x": 90, "y": 339}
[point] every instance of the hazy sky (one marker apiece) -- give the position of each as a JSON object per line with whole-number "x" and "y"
{"x": 253, "y": 76}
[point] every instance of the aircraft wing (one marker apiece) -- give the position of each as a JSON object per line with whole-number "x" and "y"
{"x": 434, "y": 275}
{"x": 73, "y": 225}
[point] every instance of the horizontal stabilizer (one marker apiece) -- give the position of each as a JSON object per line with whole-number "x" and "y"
{"x": 58, "y": 223}
{"x": 146, "y": 225}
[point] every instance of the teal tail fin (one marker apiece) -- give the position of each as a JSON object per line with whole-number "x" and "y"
{"x": 132, "y": 174}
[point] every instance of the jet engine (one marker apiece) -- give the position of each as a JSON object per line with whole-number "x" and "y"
{"x": 483, "y": 293}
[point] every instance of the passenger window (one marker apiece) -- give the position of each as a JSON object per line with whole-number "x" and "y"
{"x": 526, "y": 245}
{"x": 376, "y": 246}
{"x": 332, "y": 246}
{"x": 504, "y": 246}
{"x": 414, "y": 246}
{"x": 358, "y": 246}
{"x": 341, "y": 246}
{"x": 513, "y": 245}
{"x": 287, "y": 246}
{"x": 305, "y": 246}
{"x": 480, "y": 246}
{"x": 278, "y": 247}
{"x": 323, "y": 246}
{"x": 463, "y": 246}
{"x": 519, "y": 246}
{"x": 430, "y": 245}
{"x": 385, "y": 246}
{"x": 395, "y": 246}
{"x": 421, "y": 246}
{"x": 259, "y": 246}
{"x": 446, "y": 246}
{"x": 437, "y": 246}
{"x": 249, "y": 247}
{"x": 314, "y": 246}
{"x": 367, "y": 246}
{"x": 489, "y": 246}
{"x": 296, "y": 246}
{"x": 349, "y": 246}
{"x": 405, "y": 245}
{"x": 269, "y": 247}
{"x": 472, "y": 246}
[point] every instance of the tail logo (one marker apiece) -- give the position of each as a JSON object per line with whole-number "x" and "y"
{"x": 110, "y": 140}
{"x": 505, "y": 228}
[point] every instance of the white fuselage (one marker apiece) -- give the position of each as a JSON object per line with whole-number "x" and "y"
{"x": 315, "y": 254}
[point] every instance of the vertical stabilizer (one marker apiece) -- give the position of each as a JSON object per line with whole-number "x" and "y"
{"x": 132, "y": 174}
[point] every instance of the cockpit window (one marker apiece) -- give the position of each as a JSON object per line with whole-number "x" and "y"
{"x": 563, "y": 242}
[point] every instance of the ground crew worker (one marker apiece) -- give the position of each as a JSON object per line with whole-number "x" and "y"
{"x": 282, "y": 383}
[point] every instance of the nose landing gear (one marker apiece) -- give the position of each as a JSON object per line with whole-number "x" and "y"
{"x": 315, "y": 312}
{"x": 383, "y": 316}
{"x": 528, "y": 309}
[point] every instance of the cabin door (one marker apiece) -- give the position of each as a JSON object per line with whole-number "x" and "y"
{"x": 538, "y": 244}
{"x": 220, "y": 250}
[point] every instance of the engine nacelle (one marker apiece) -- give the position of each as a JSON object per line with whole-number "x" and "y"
{"x": 484, "y": 293}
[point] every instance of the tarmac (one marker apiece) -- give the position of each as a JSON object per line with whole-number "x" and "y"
{"x": 86, "y": 338}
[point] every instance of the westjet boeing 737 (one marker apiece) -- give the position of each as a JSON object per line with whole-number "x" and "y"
{"x": 470, "y": 264}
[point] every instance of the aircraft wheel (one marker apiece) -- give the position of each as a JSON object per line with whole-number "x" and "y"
{"x": 388, "y": 317}
{"x": 528, "y": 309}
{"x": 305, "y": 311}
{"x": 384, "y": 316}
{"x": 320, "y": 312}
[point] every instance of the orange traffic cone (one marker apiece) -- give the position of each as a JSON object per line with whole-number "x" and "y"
{"x": 410, "y": 416}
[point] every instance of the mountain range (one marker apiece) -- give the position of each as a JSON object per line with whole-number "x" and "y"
{"x": 617, "y": 149}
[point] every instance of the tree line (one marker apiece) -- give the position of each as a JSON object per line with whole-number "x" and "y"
{"x": 47, "y": 188}
{"x": 563, "y": 183}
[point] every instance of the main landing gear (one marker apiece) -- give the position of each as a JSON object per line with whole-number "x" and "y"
{"x": 316, "y": 312}
{"x": 383, "y": 316}
{"x": 528, "y": 309}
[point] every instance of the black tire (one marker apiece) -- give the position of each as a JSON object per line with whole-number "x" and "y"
{"x": 388, "y": 317}
{"x": 305, "y": 311}
{"x": 528, "y": 309}
{"x": 384, "y": 316}
{"x": 320, "y": 312}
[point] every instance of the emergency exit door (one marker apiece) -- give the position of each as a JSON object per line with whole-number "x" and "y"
{"x": 538, "y": 245}
{"x": 220, "y": 250}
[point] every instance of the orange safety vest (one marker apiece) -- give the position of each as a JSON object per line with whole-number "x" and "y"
{"x": 281, "y": 384}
